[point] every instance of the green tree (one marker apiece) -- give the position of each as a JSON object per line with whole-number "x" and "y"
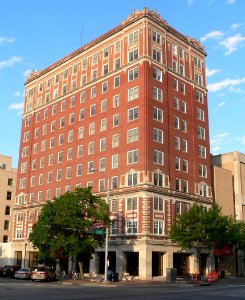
{"x": 201, "y": 228}
{"x": 64, "y": 227}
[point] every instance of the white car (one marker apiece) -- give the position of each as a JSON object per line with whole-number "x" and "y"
{"x": 43, "y": 273}
{"x": 23, "y": 273}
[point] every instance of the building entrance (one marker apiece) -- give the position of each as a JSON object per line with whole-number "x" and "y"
{"x": 157, "y": 263}
{"x": 132, "y": 263}
{"x": 181, "y": 263}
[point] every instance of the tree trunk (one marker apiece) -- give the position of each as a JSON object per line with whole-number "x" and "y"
{"x": 80, "y": 264}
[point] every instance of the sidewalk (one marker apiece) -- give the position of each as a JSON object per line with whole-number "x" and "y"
{"x": 93, "y": 283}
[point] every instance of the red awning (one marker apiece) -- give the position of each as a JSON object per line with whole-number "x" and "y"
{"x": 226, "y": 250}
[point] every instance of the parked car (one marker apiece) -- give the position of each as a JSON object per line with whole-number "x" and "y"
{"x": 43, "y": 273}
{"x": 23, "y": 273}
{"x": 1, "y": 271}
{"x": 9, "y": 271}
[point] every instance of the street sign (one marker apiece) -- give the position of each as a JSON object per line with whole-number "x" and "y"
{"x": 98, "y": 231}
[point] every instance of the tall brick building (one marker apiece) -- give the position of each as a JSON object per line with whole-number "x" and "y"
{"x": 131, "y": 104}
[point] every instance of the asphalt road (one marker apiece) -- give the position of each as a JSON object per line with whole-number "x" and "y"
{"x": 11, "y": 289}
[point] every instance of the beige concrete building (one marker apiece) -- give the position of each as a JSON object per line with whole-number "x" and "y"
{"x": 228, "y": 176}
{"x": 7, "y": 196}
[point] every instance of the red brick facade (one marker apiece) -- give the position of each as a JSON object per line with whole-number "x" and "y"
{"x": 169, "y": 137}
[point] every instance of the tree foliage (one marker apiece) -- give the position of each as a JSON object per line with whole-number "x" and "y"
{"x": 64, "y": 225}
{"x": 199, "y": 228}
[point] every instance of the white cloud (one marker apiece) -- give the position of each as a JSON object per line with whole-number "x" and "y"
{"x": 235, "y": 26}
{"x": 220, "y": 139}
{"x": 226, "y": 83}
{"x": 10, "y": 62}
{"x": 17, "y": 94}
{"x": 232, "y": 43}
{"x": 27, "y": 73}
{"x": 230, "y": 2}
{"x": 5, "y": 40}
{"x": 211, "y": 72}
{"x": 242, "y": 139}
{"x": 16, "y": 106}
{"x": 215, "y": 150}
{"x": 212, "y": 35}
{"x": 222, "y": 104}
{"x": 190, "y": 2}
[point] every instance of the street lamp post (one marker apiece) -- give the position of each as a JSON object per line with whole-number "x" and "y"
{"x": 25, "y": 254}
{"x": 107, "y": 233}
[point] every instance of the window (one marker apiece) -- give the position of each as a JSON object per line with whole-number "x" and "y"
{"x": 185, "y": 187}
{"x": 69, "y": 154}
{"x": 157, "y": 94}
{"x": 202, "y": 171}
{"x": 115, "y": 140}
{"x": 177, "y": 163}
{"x": 158, "y": 227}
{"x": 90, "y": 167}
{"x": 203, "y": 190}
{"x": 104, "y": 87}
{"x": 185, "y": 165}
{"x": 117, "y": 63}
{"x": 183, "y": 107}
{"x": 103, "y": 105}
{"x": 177, "y": 207}
{"x": 19, "y": 234}
{"x": 133, "y": 156}
{"x": 158, "y": 157}
{"x": 6, "y": 225}
{"x": 68, "y": 172}
{"x": 133, "y": 93}
{"x": 70, "y": 136}
{"x": 157, "y": 74}
{"x": 114, "y": 161}
{"x": 82, "y": 97}
{"x": 115, "y": 120}
{"x": 113, "y": 228}
{"x": 184, "y": 126}
{"x": 201, "y": 133}
{"x": 133, "y": 135}
{"x": 102, "y": 144}
{"x": 117, "y": 46}
{"x": 116, "y": 81}
{"x": 51, "y": 159}
{"x": 91, "y": 128}
{"x": 79, "y": 170}
{"x": 10, "y": 181}
{"x": 133, "y": 37}
{"x": 175, "y": 66}
{"x": 116, "y": 101}
{"x": 92, "y": 110}
{"x": 199, "y": 96}
{"x": 62, "y": 122}
{"x": 61, "y": 139}
{"x": 133, "y": 74}
{"x": 80, "y": 151}
{"x": 93, "y": 92}
{"x": 157, "y": 55}
{"x": 53, "y": 126}
{"x": 91, "y": 148}
{"x": 157, "y": 114}
{"x": 41, "y": 176}
{"x": 63, "y": 105}
{"x": 132, "y": 203}
{"x": 103, "y": 124}
{"x": 158, "y": 135}
{"x": 80, "y": 132}
{"x": 106, "y": 52}
{"x": 156, "y": 37}
{"x": 50, "y": 176}
{"x": 71, "y": 118}
{"x": 102, "y": 164}
{"x": 132, "y": 179}
{"x": 174, "y": 49}
{"x": 198, "y": 79}
{"x": 105, "y": 69}
{"x": 201, "y": 151}
{"x": 182, "y": 70}
{"x": 83, "y": 80}
{"x": 41, "y": 162}
{"x": 158, "y": 179}
{"x": 36, "y": 133}
{"x": 178, "y": 184}
{"x": 7, "y": 210}
{"x": 114, "y": 182}
{"x": 82, "y": 114}
{"x": 197, "y": 62}
{"x": 200, "y": 114}
{"x": 101, "y": 185}
{"x": 133, "y": 55}
{"x": 158, "y": 204}
{"x": 131, "y": 227}
{"x": 182, "y": 88}
{"x": 184, "y": 146}
{"x": 60, "y": 157}
{"x": 64, "y": 89}
{"x": 58, "y": 175}
{"x": 175, "y": 84}
{"x": 133, "y": 113}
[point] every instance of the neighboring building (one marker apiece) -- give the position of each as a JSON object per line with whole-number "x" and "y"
{"x": 131, "y": 104}
{"x": 228, "y": 176}
{"x": 8, "y": 177}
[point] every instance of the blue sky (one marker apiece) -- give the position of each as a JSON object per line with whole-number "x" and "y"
{"x": 36, "y": 33}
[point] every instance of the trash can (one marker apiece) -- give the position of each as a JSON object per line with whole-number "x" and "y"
{"x": 222, "y": 274}
{"x": 171, "y": 275}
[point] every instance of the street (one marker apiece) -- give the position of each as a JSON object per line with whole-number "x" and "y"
{"x": 15, "y": 289}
